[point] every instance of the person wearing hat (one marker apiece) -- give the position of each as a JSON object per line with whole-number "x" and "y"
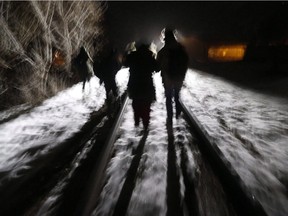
{"x": 173, "y": 63}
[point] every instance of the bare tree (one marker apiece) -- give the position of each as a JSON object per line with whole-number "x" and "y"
{"x": 38, "y": 40}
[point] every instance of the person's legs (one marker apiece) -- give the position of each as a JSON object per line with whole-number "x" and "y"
{"x": 168, "y": 87}
{"x": 113, "y": 87}
{"x": 110, "y": 85}
{"x": 177, "y": 88}
{"x": 169, "y": 107}
{"x": 135, "y": 106}
{"x": 83, "y": 86}
{"x": 84, "y": 74}
{"x": 107, "y": 88}
{"x": 146, "y": 114}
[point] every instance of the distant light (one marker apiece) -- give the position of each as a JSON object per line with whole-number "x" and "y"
{"x": 225, "y": 53}
{"x": 58, "y": 59}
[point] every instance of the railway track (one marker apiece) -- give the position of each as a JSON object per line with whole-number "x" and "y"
{"x": 194, "y": 171}
{"x": 50, "y": 183}
{"x": 169, "y": 170}
{"x": 244, "y": 202}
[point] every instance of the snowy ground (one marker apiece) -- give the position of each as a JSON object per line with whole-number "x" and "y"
{"x": 48, "y": 125}
{"x": 250, "y": 128}
{"x": 150, "y": 194}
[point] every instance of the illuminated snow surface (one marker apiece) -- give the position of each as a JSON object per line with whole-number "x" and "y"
{"x": 49, "y": 124}
{"x": 250, "y": 129}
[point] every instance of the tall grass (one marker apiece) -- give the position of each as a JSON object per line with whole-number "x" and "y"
{"x": 31, "y": 33}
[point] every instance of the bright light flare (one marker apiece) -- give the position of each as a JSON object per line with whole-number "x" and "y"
{"x": 225, "y": 53}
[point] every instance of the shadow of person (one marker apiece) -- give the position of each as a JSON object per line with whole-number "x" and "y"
{"x": 169, "y": 128}
{"x": 129, "y": 184}
{"x": 174, "y": 206}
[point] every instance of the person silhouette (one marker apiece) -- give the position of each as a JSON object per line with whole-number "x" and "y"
{"x": 173, "y": 63}
{"x": 81, "y": 62}
{"x": 141, "y": 90}
{"x": 106, "y": 67}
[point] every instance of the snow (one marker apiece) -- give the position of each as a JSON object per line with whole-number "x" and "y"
{"x": 149, "y": 196}
{"x": 248, "y": 126}
{"x": 49, "y": 124}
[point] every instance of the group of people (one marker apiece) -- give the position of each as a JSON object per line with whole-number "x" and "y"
{"x": 171, "y": 60}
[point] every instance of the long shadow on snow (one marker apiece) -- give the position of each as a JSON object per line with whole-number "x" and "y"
{"x": 20, "y": 193}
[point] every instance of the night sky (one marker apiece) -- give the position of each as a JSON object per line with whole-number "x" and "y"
{"x": 134, "y": 20}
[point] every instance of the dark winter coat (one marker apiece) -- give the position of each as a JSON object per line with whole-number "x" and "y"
{"x": 173, "y": 62}
{"x": 106, "y": 67}
{"x": 142, "y": 64}
{"x": 81, "y": 64}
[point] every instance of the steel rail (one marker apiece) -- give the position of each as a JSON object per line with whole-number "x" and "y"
{"x": 96, "y": 181}
{"x": 244, "y": 202}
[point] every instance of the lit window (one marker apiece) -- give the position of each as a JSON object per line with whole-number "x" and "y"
{"x": 225, "y": 53}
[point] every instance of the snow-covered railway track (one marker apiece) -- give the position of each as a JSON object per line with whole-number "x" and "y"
{"x": 169, "y": 170}
{"x": 95, "y": 182}
{"x": 50, "y": 181}
{"x": 244, "y": 202}
{"x": 187, "y": 172}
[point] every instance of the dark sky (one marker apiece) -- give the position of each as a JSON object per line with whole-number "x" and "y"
{"x": 134, "y": 20}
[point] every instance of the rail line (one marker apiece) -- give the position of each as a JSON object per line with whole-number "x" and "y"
{"x": 57, "y": 173}
{"x": 185, "y": 178}
{"x": 95, "y": 183}
{"x": 239, "y": 200}
{"x": 197, "y": 178}
{"x": 244, "y": 202}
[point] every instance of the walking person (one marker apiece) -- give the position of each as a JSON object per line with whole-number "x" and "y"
{"x": 141, "y": 89}
{"x": 105, "y": 68}
{"x": 81, "y": 62}
{"x": 173, "y": 63}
